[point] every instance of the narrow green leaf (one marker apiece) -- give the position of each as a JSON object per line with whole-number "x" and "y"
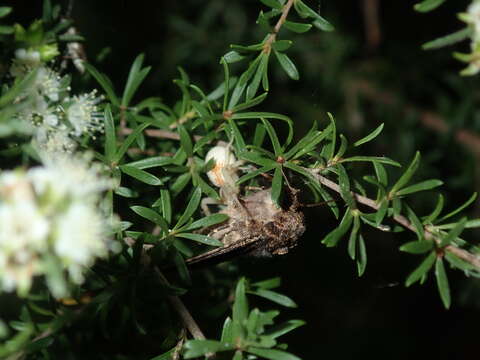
{"x": 421, "y": 270}
{"x": 104, "y": 82}
{"x": 417, "y": 247}
{"x": 257, "y": 159}
{"x": 282, "y": 45}
{"x": 281, "y": 329}
{"x": 232, "y": 57}
{"x": 459, "y": 209}
{"x": 419, "y": 229}
{"x": 273, "y": 4}
{"x": 436, "y": 211}
{"x": 449, "y": 39}
{"x": 362, "y": 256}
{"x": 240, "y": 306}
{"x": 407, "y": 175}
{"x": 255, "y": 173}
{"x": 196, "y": 348}
{"x": 191, "y": 208}
{"x": 135, "y": 78}
{"x": 454, "y": 233}
{"x": 442, "y": 283}
{"x": 319, "y": 22}
{"x": 110, "y": 136}
{"x": 250, "y": 103}
{"x": 428, "y": 5}
{"x": 268, "y": 284}
{"x": 277, "y": 148}
{"x": 204, "y": 239}
{"x": 370, "y": 136}
{"x": 272, "y": 354}
{"x": 165, "y": 204}
{"x": 242, "y": 82}
{"x": 185, "y": 140}
{"x": 277, "y": 185}
{"x": 287, "y": 65}
{"x": 374, "y": 159}
{"x": 381, "y": 212}
{"x": 421, "y": 186}
{"x": 208, "y": 221}
{"x": 335, "y": 235}
{"x": 352, "y": 241}
{"x": 129, "y": 140}
{"x": 297, "y": 27}
{"x": 151, "y": 215}
{"x": 141, "y": 175}
{"x": 475, "y": 223}
{"x": 458, "y": 263}
{"x": 227, "y": 335}
{"x": 252, "y": 88}
{"x": 180, "y": 183}
{"x": 151, "y": 162}
{"x": 5, "y": 10}
{"x": 275, "y": 297}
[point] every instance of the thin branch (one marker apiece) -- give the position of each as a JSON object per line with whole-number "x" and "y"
{"x": 272, "y": 37}
{"x": 182, "y": 311}
{"x": 373, "y": 32}
{"x": 400, "y": 219}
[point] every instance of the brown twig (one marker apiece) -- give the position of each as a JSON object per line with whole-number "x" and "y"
{"x": 182, "y": 311}
{"x": 272, "y": 37}
{"x": 373, "y": 33}
{"x": 400, "y": 219}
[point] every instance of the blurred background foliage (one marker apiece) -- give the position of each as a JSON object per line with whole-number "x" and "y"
{"x": 370, "y": 70}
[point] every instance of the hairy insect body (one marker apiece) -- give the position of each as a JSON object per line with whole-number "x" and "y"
{"x": 256, "y": 227}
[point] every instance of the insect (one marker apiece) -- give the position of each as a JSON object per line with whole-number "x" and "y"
{"x": 256, "y": 226}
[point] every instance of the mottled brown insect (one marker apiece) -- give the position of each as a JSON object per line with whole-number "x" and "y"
{"x": 256, "y": 227}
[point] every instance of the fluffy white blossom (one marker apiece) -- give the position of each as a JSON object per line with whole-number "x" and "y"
{"x": 83, "y": 115}
{"x": 51, "y": 223}
{"x": 472, "y": 18}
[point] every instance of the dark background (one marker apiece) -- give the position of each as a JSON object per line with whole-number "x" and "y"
{"x": 363, "y": 83}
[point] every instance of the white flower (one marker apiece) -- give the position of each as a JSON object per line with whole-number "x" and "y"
{"x": 51, "y": 223}
{"x": 224, "y": 173}
{"x": 83, "y": 116}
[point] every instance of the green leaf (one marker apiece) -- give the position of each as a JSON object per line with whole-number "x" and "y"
{"x": 458, "y": 263}
{"x": 110, "y": 137}
{"x": 436, "y": 211}
{"x": 421, "y": 270}
{"x": 475, "y": 223}
{"x": 272, "y": 354}
{"x": 450, "y": 39}
{"x": 191, "y": 208}
{"x": 250, "y": 103}
{"x": 381, "y": 212}
{"x": 185, "y": 140}
{"x": 281, "y": 329}
{"x": 277, "y": 185}
{"x": 255, "y": 83}
{"x": 370, "y": 136}
{"x": 151, "y": 215}
{"x": 242, "y": 82}
{"x": 232, "y": 57}
{"x": 419, "y": 229}
{"x": 257, "y": 159}
{"x": 240, "y": 306}
{"x": 442, "y": 283}
{"x": 165, "y": 204}
{"x": 297, "y": 27}
{"x": 151, "y": 162}
{"x": 5, "y": 10}
{"x": 421, "y": 186}
{"x": 459, "y": 209}
{"x": 135, "y": 78}
{"x": 129, "y": 140}
{"x": 104, "y": 82}
{"x": 374, "y": 159}
{"x": 352, "y": 241}
{"x": 208, "y": 221}
{"x": 141, "y": 175}
{"x": 196, "y": 348}
{"x": 454, "y": 233}
{"x": 227, "y": 335}
{"x": 428, "y": 5}
{"x": 273, "y": 4}
{"x": 204, "y": 239}
{"x": 362, "y": 256}
{"x": 275, "y": 297}
{"x": 319, "y": 22}
{"x": 277, "y": 148}
{"x": 268, "y": 284}
{"x": 287, "y": 65}
{"x": 180, "y": 183}
{"x": 417, "y": 247}
{"x": 335, "y": 235}
{"x": 407, "y": 175}
{"x": 282, "y": 45}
